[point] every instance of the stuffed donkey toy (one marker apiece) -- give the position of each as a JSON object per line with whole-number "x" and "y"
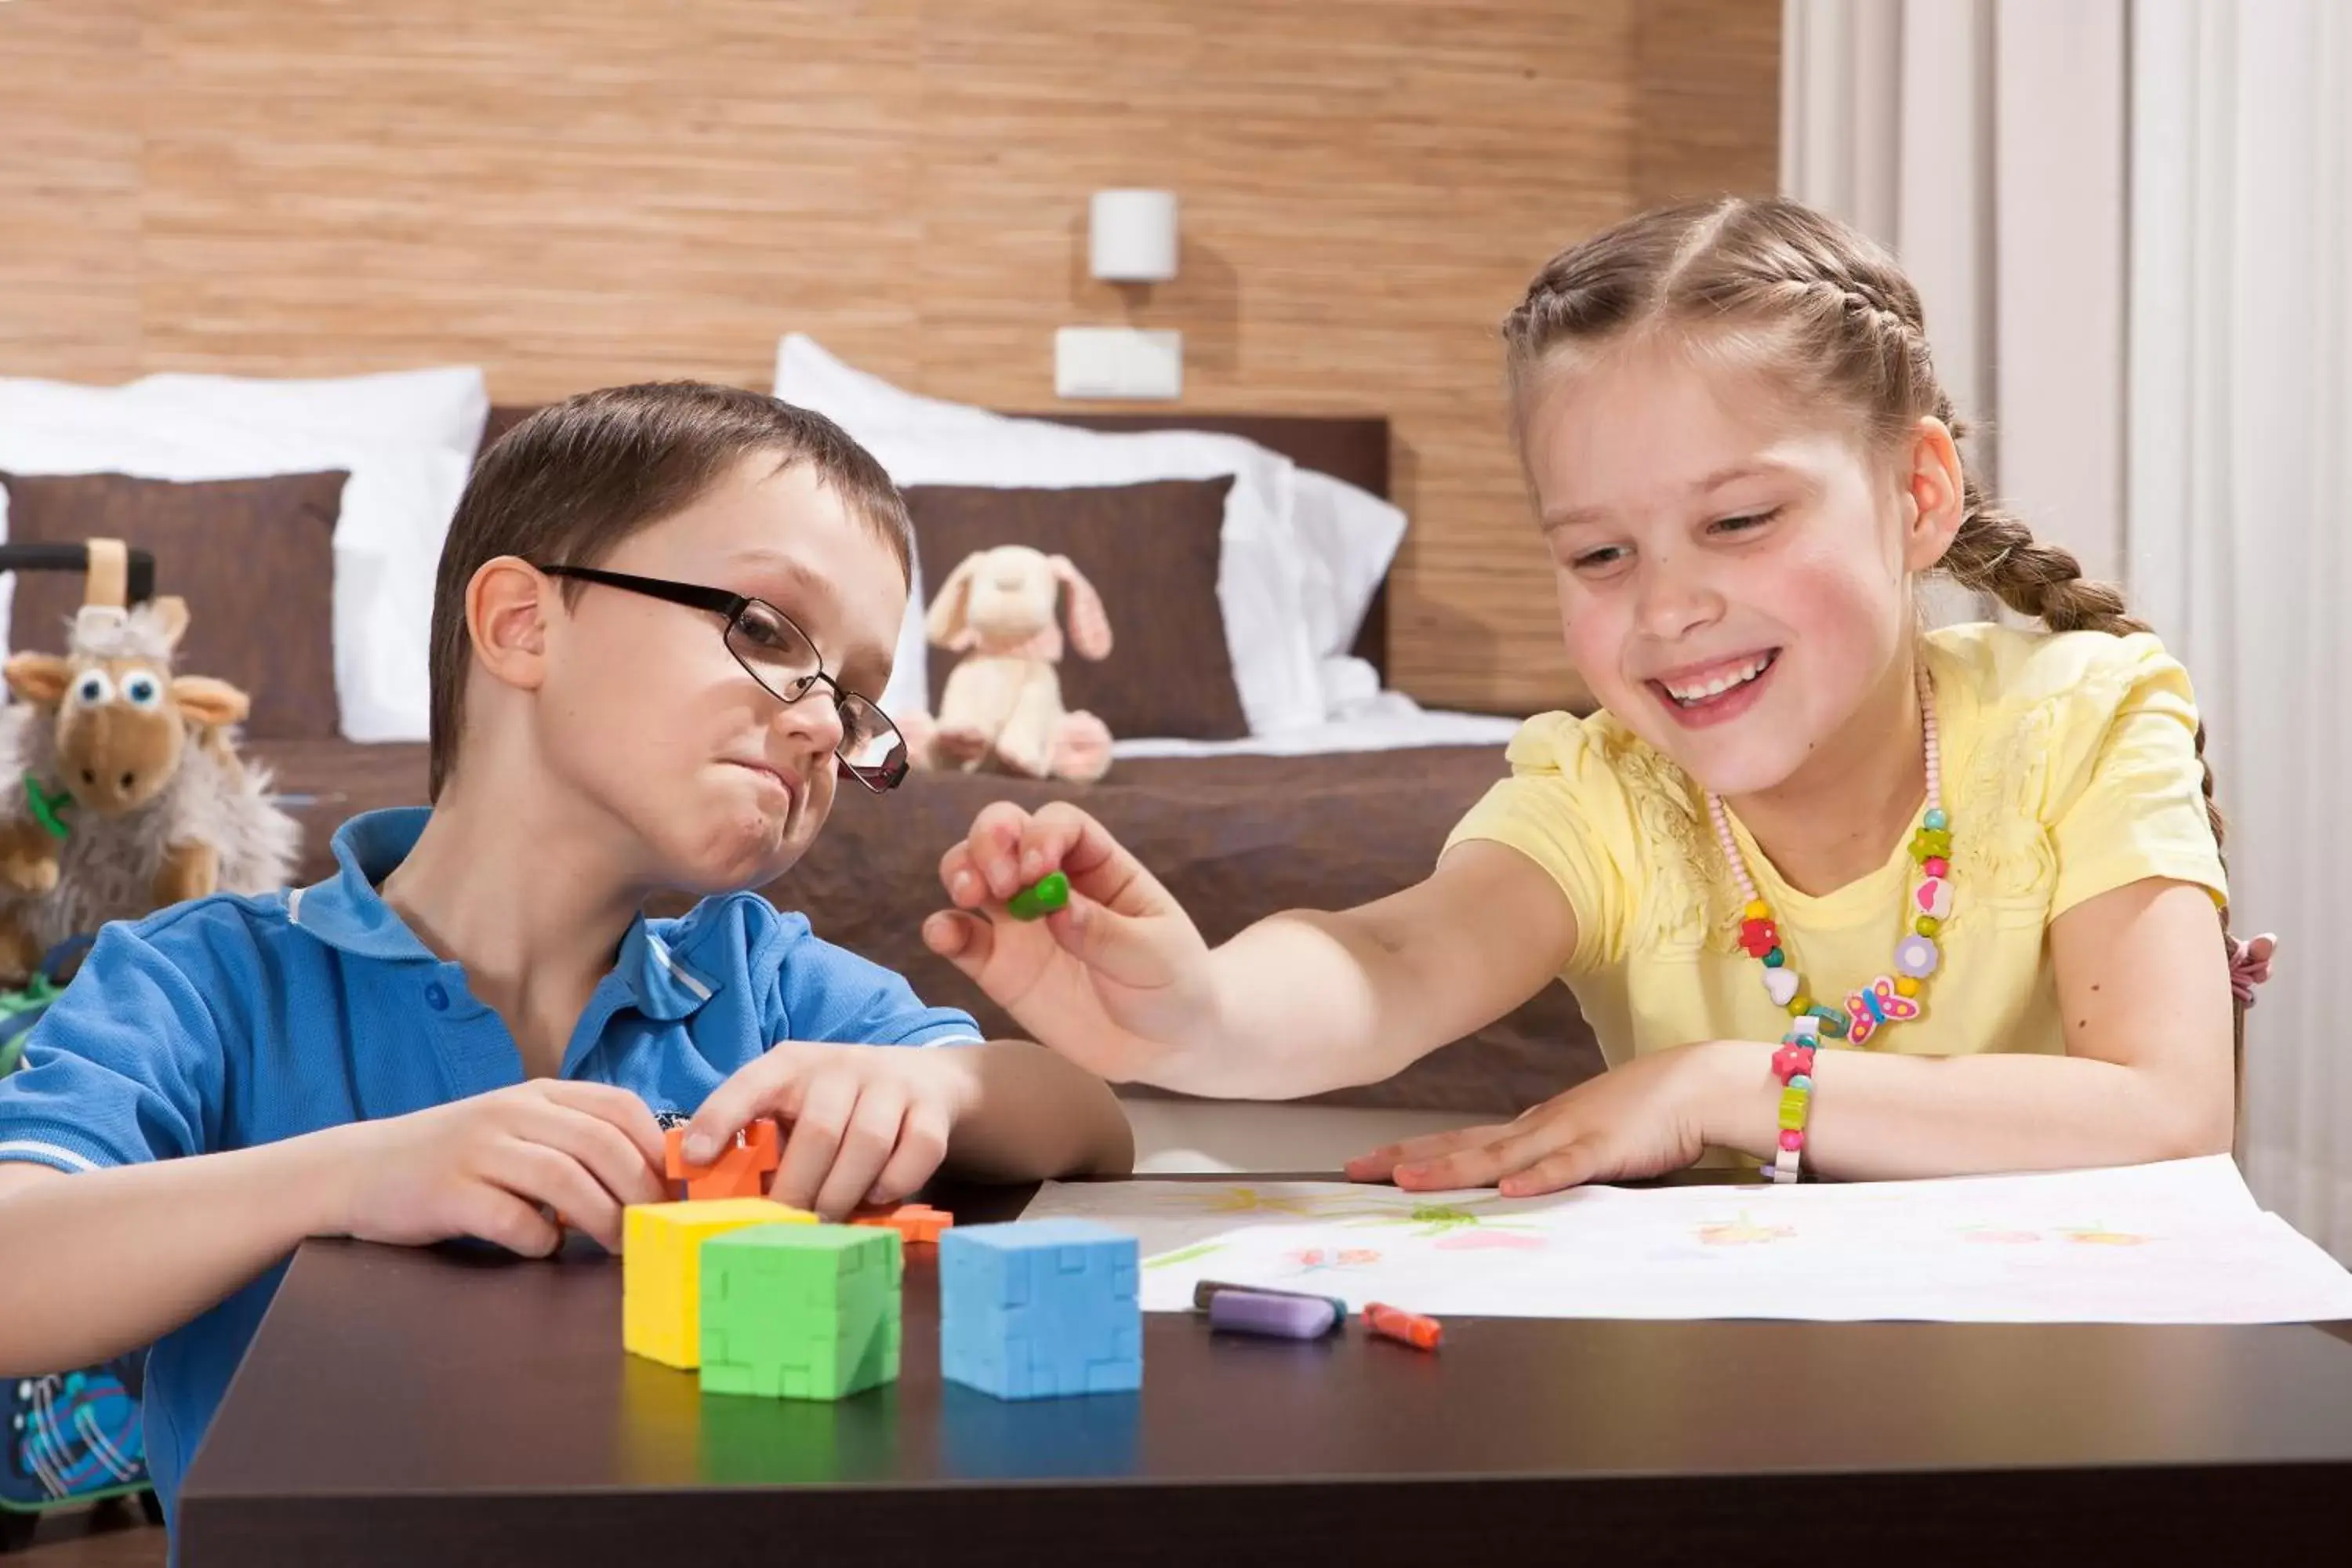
{"x": 1002, "y": 707}
{"x": 123, "y": 792}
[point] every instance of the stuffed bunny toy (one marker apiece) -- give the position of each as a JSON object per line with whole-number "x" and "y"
{"x": 1003, "y": 706}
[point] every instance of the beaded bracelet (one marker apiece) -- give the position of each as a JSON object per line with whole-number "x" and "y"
{"x": 1792, "y": 1064}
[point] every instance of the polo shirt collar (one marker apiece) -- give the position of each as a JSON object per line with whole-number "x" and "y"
{"x": 345, "y": 911}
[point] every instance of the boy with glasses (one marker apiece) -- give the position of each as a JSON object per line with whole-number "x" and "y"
{"x": 661, "y": 616}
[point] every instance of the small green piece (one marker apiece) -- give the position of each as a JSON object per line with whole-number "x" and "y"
{"x": 46, "y": 806}
{"x": 1048, "y": 893}
{"x": 801, "y": 1312}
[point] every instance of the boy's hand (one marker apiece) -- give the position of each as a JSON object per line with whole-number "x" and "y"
{"x": 1113, "y": 980}
{"x": 863, "y": 1123}
{"x": 495, "y": 1164}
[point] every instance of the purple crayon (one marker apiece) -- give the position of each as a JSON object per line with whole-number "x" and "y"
{"x": 1207, "y": 1288}
{"x": 1282, "y": 1316}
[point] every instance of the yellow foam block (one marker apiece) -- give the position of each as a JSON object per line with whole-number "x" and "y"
{"x": 661, "y": 1269}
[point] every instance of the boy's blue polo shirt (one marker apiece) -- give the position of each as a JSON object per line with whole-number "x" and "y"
{"x": 236, "y": 1021}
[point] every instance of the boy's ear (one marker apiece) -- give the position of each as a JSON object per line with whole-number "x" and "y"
{"x": 38, "y": 678}
{"x": 506, "y": 614}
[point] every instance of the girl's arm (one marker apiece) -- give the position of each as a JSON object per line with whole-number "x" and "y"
{"x": 1306, "y": 1000}
{"x": 1121, "y": 982}
{"x": 2147, "y": 1076}
{"x": 1034, "y": 1116}
{"x": 2147, "y": 1073}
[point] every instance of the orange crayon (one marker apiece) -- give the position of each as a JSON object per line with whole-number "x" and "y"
{"x": 1406, "y": 1327}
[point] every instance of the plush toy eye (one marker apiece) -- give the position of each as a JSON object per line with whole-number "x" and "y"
{"x": 93, "y": 686}
{"x": 143, "y": 691}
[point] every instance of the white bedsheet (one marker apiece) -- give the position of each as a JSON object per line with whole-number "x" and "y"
{"x": 1387, "y": 722}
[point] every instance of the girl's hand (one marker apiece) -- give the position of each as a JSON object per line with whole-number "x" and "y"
{"x": 1640, "y": 1119}
{"x": 1113, "y": 980}
{"x": 862, "y": 1123}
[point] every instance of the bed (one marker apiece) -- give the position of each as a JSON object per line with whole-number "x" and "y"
{"x": 1318, "y": 815}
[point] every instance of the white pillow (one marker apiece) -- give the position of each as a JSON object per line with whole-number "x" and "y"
{"x": 1259, "y": 588}
{"x": 448, "y": 406}
{"x": 395, "y": 509}
{"x": 1345, "y": 537}
{"x": 1348, "y": 538}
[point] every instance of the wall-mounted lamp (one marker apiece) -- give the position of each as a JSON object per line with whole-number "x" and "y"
{"x": 1133, "y": 236}
{"x": 1130, "y": 239}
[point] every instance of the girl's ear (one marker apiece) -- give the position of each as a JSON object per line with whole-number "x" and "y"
{"x": 1934, "y": 500}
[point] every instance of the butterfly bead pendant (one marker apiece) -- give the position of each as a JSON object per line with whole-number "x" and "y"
{"x": 1876, "y": 1005}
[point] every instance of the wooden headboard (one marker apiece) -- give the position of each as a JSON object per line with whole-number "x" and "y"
{"x": 1353, "y": 448}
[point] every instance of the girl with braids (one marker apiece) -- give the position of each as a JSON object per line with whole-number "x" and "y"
{"x": 1839, "y": 894}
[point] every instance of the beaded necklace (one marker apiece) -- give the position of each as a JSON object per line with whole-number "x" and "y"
{"x": 1889, "y": 999}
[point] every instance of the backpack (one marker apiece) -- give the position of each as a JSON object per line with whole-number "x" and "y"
{"x": 70, "y": 1437}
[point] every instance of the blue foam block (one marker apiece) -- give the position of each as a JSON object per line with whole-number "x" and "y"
{"x": 1040, "y": 1308}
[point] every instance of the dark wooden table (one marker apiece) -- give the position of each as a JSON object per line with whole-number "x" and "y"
{"x": 450, "y": 1409}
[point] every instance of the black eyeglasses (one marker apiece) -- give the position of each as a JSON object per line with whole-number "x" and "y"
{"x": 781, "y": 658}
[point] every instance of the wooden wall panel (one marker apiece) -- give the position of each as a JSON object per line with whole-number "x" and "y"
{"x": 69, "y": 147}
{"x": 573, "y": 193}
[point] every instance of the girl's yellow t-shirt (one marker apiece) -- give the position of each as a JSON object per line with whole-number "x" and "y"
{"x": 2069, "y": 770}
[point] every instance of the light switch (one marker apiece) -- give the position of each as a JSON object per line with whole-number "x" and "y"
{"x": 1117, "y": 361}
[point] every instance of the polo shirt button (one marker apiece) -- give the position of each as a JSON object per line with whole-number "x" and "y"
{"x": 437, "y": 998}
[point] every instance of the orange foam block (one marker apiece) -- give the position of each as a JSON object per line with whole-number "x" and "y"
{"x": 913, "y": 1222}
{"x": 740, "y": 1172}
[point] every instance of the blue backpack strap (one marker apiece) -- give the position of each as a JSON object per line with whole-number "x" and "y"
{"x": 54, "y": 962}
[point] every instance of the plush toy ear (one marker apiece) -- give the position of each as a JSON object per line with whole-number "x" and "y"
{"x": 170, "y": 613}
{"x": 203, "y": 700}
{"x": 1090, "y": 628}
{"x": 945, "y": 623}
{"x": 39, "y": 679}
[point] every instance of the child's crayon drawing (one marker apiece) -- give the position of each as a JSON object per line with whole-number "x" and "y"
{"x": 1742, "y": 1231}
{"x": 2178, "y": 1242}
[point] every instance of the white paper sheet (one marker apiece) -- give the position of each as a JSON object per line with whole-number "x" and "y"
{"x": 2180, "y": 1242}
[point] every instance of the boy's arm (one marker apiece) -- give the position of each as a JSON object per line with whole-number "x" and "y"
{"x": 101, "y": 1131}
{"x": 106, "y": 1174}
{"x": 126, "y": 1254}
{"x": 109, "y": 1175}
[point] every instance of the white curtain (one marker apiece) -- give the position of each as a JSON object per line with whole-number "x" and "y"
{"x": 2131, "y": 221}
{"x": 1983, "y": 141}
{"x": 2240, "y": 469}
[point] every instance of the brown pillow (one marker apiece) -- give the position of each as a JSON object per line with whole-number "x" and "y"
{"x": 1151, "y": 552}
{"x": 255, "y": 559}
